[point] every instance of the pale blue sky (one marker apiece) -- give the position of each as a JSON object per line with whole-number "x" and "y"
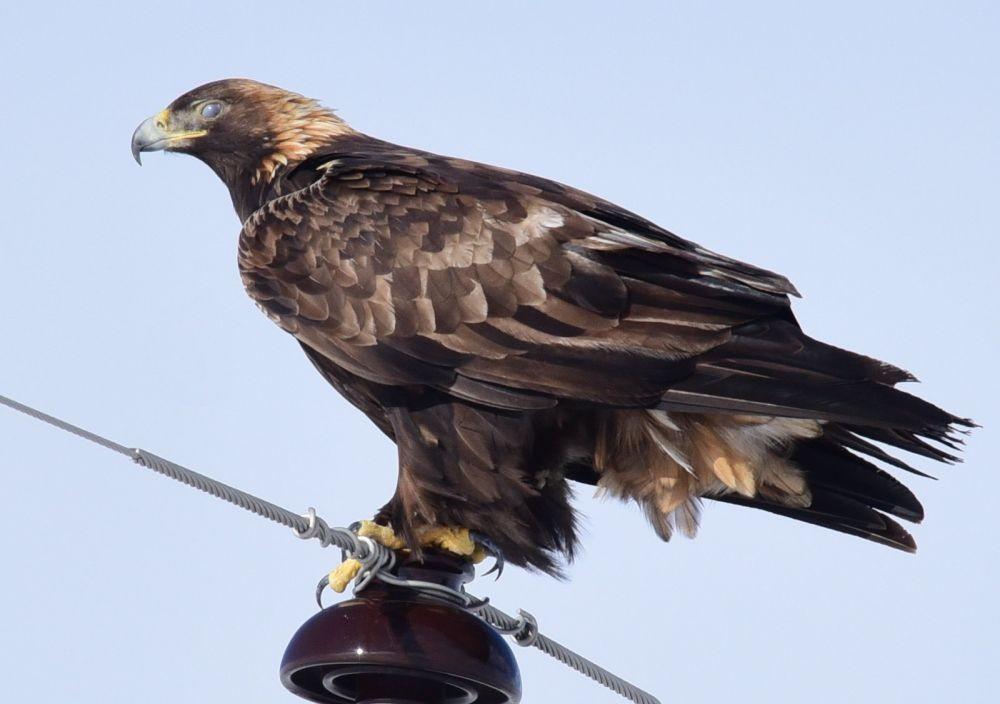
{"x": 853, "y": 148}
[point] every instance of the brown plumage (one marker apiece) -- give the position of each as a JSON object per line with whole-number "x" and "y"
{"x": 510, "y": 333}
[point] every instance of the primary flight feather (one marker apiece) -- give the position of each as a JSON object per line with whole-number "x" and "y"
{"x": 512, "y": 334}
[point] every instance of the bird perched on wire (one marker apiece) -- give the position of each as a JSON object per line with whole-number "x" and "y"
{"x": 512, "y": 334}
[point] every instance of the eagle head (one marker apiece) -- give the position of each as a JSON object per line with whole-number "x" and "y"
{"x": 243, "y": 129}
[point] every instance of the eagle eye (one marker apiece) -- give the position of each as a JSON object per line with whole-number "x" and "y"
{"x": 210, "y": 111}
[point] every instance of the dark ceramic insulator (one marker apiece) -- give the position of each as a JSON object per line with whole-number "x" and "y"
{"x": 391, "y": 645}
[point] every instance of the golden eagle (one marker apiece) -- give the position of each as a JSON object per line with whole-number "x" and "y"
{"x": 510, "y": 334}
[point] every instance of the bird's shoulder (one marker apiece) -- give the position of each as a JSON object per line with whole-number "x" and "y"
{"x": 374, "y": 240}
{"x": 360, "y": 163}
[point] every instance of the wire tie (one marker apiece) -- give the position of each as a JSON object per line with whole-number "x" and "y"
{"x": 372, "y": 564}
{"x": 310, "y": 531}
{"x": 527, "y": 629}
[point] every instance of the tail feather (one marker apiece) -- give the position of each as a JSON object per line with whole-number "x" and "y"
{"x": 848, "y": 439}
{"x": 771, "y": 367}
{"x": 838, "y": 512}
{"x": 906, "y": 439}
{"x": 849, "y": 494}
{"x": 831, "y": 468}
{"x": 870, "y": 405}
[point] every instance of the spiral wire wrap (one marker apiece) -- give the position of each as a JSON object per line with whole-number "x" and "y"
{"x": 376, "y": 560}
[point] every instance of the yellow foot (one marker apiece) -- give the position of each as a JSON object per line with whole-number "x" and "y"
{"x": 341, "y": 575}
{"x": 454, "y": 540}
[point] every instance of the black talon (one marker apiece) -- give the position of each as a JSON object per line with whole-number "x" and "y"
{"x": 323, "y": 584}
{"x": 490, "y": 547}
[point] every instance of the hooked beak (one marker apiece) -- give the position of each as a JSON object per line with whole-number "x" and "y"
{"x": 154, "y": 134}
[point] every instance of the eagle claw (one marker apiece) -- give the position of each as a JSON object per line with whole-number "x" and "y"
{"x": 492, "y": 550}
